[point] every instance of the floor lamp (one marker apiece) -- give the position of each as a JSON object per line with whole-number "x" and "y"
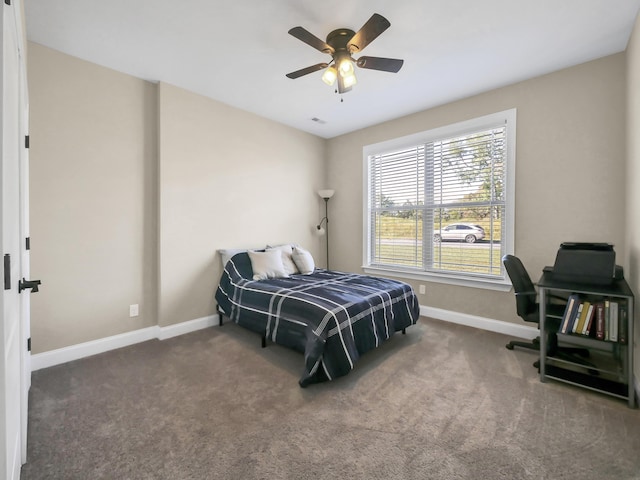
{"x": 320, "y": 230}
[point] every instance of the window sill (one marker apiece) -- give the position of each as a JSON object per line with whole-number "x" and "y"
{"x": 502, "y": 285}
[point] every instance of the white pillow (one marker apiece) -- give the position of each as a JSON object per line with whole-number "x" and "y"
{"x": 287, "y": 260}
{"x": 267, "y": 264}
{"x": 303, "y": 260}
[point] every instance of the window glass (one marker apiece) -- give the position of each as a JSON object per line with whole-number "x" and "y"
{"x": 441, "y": 202}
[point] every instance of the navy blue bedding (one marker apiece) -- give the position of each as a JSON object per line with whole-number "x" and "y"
{"x": 332, "y": 317}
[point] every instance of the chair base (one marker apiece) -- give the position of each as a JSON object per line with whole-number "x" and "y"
{"x": 533, "y": 345}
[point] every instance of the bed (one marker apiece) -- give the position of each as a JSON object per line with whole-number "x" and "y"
{"x": 331, "y": 317}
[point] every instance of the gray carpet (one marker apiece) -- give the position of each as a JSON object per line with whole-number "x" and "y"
{"x": 442, "y": 402}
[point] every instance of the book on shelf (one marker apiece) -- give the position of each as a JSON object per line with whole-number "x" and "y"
{"x": 613, "y": 321}
{"x": 607, "y": 308}
{"x": 588, "y": 321}
{"x": 604, "y": 319}
{"x": 623, "y": 325}
{"x": 600, "y": 320}
{"x": 582, "y": 317}
{"x": 569, "y": 313}
{"x": 576, "y": 319}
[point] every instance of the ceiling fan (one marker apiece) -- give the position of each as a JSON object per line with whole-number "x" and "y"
{"x": 341, "y": 44}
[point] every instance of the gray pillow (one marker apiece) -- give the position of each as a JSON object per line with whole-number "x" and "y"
{"x": 227, "y": 253}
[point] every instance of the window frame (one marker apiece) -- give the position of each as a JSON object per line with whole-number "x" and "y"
{"x": 500, "y": 282}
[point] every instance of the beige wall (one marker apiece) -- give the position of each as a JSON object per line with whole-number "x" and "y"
{"x": 633, "y": 177}
{"x": 133, "y": 188}
{"x": 569, "y": 172}
{"x": 92, "y": 154}
{"x": 228, "y": 179}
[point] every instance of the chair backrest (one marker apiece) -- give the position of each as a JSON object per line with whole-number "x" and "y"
{"x": 526, "y": 294}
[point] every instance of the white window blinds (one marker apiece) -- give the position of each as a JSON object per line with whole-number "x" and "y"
{"x": 438, "y": 206}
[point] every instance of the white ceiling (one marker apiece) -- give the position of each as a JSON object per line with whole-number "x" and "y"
{"x": 238, "y": 51}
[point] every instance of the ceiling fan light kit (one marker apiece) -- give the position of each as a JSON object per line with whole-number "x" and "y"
{"x": 341, "y": 44}
{"x": 329, "y": 76}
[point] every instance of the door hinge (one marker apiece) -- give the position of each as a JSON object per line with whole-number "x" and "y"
{"x": 7, "y": 271}
{"x": 29, "y": 344}
{"x": 27, "y": 243}
{"x": 26, "y": 141}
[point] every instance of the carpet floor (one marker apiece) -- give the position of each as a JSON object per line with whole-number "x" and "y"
{"x": 442, "y": 402}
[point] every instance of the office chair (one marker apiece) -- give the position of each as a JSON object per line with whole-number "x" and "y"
{"x": 528, "y": 308}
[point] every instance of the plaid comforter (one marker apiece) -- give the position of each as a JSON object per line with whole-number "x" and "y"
{"x": 332, "y": 317}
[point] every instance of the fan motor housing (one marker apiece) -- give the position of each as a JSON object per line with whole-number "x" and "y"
{"x": 339, "y": 38}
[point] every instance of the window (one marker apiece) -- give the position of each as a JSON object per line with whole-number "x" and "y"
{"x": 439, "y": 204}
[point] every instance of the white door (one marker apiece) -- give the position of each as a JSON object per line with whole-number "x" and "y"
{"x": 14, "y": 357}
{"x": 25, "y": 323}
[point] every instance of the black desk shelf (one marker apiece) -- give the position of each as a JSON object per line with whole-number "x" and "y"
{"x": 585, "y": 380}
{"x": 611, "y": 370}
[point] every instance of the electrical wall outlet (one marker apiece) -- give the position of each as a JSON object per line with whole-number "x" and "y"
{"x": 133, "y": 310}
{"x": 422, "y": 290}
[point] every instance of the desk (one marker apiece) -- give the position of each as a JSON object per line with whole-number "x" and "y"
{"x": 617, "y": 382}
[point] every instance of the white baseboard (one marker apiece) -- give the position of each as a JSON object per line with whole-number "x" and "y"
{"x": 188, "y": 327}
{"x": 87, "y": 349}
{"x": 94, "y": 347}
{"x": 82, "y": 350}
{"x": 511, "y": 329}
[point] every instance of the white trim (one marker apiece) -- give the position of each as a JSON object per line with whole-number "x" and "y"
{"x": 81, "y": 350}
{"x": 509, "y": 117}
{"x": 87, "y": 349}
{"x": 477, "y": 282}
{"x": 94, "y": 347}
{"x": 188, "y": 327}
{"x": 498, "y": 326}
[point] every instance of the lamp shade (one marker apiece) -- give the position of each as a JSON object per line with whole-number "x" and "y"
{"x": 330, "y": 75}
{"x": 349, "y": 80}
{"x": 326, "y": 193}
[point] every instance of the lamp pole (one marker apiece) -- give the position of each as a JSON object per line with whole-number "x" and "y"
{"x": 325, "y": 195}
{"x": 326, "y": 216}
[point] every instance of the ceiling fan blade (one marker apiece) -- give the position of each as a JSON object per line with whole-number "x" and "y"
{"x": 310, "y": 39}
{"x": 305, "y": 71}
{"x": 379, "y": 63}
{"x": 368, "y": 33}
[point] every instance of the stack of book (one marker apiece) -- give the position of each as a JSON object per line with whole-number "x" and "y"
{"x": 604, "y": 319}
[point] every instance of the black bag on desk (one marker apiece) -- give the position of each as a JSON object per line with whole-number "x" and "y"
{"x": 590, "y": 263}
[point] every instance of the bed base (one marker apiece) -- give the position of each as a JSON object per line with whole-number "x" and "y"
{"x": 264, "y": 337}
{"x": 263, "y": 340}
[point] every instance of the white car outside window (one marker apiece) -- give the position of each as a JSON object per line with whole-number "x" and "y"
{"x": 467, "y": 232}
